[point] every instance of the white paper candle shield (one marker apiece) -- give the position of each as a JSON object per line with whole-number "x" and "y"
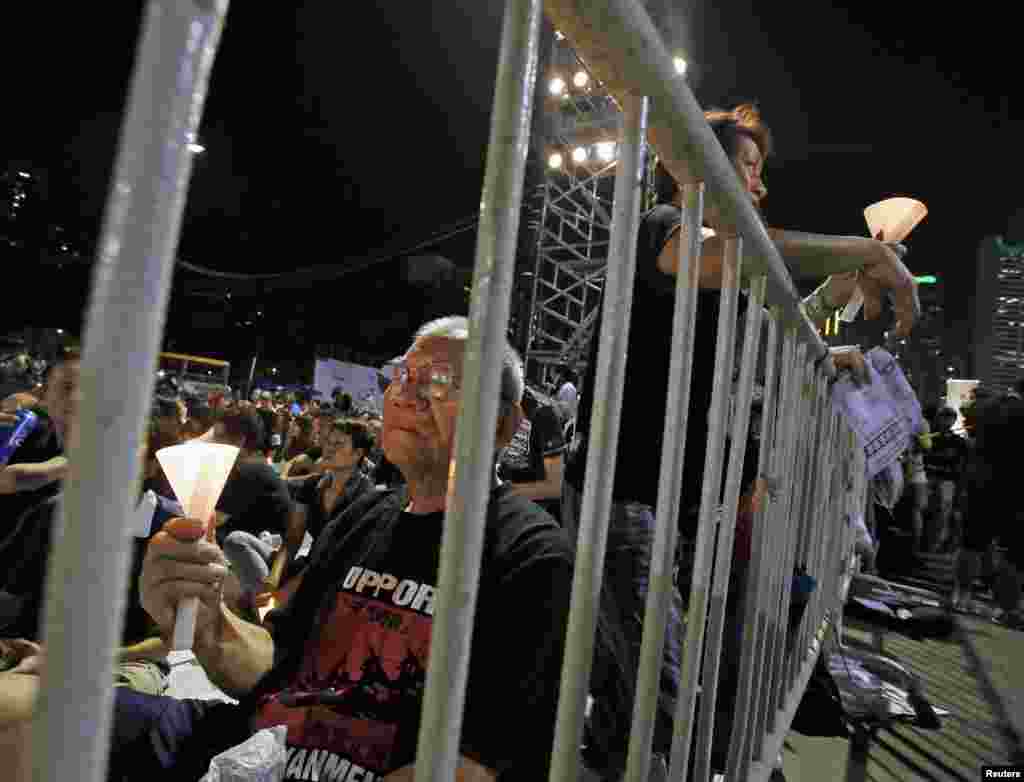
{"x": 894, "y": 218}
{"x": 197, "y": 472}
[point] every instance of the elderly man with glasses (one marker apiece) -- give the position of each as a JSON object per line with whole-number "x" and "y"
{"x": 343, "y": 665}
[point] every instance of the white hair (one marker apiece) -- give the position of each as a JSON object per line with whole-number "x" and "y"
{"x": 456, "y": 327}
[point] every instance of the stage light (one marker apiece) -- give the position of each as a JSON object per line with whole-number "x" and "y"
{"x": 580, "y": 79}
{"x": 196, "y": 149}
{"x": 680, "y": 64}
{"x": 606, "y": 151}
{"x": 555, "y": 160}
{"x": 556, "y": 86}
{"x": 579, "y": 154}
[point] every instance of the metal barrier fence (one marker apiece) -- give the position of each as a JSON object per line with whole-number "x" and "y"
{"x": 804, "y": 443}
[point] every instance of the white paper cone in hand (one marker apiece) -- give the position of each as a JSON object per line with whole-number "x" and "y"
{"x": 890, "y": 220}
{"x": 894, "y": 218}
{"x": 197, "y": 472}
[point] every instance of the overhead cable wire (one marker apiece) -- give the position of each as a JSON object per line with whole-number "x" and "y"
{"x": 460, "y": 226}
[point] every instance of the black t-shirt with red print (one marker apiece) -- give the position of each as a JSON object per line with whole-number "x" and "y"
{"x": 352, "y": 645}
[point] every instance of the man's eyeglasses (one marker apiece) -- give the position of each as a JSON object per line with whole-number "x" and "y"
{"x": 429, "y": 380}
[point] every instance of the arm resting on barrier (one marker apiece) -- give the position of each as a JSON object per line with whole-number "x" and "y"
{"x": 879, "y": 269}
{"x": 815, "y": 255}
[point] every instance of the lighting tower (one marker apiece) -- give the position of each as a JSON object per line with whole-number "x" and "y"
{"x": 579, "y": 132}
{"x": 571, "y": 218}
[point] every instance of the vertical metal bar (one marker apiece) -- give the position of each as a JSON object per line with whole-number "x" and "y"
{"x": 744, "y": 725}
{"x": 840, "y": 491}
{"x": 826, "y": 515}
{"x": 727, "y": 529}
{"x": 840, "y": 488}
{"x": 825, "y": 521}
{"x": 816, "y": 488}
{"x": 794, "y": 469}
{"x": 809, "y": 530}
{"x": 462, "y": 540}
{"x": 88, "y": 567}
{"x": 829, "y": 561}
{"x": 789, "y": 445}
{"x": 783, "y": 443}
{"x": 829, "y": 517}
{"x": 803, "y": 510}
{"x": 673, "y": 452}
{"x": 603, "y": 440}
{"x": 820, "y": 520}
{"x": 693, "y": 643}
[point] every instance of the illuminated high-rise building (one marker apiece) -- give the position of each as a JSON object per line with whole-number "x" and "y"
{"x": 997, "y": 339}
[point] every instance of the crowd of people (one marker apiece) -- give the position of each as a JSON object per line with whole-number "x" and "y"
{"x": 959, "y": 501}
{"x": 317, "y": 590}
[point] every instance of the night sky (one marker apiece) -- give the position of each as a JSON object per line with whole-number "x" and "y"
{"x": 333, "y": 132}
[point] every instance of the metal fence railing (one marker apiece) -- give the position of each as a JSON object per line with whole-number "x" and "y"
{"x": 805, "y": 445}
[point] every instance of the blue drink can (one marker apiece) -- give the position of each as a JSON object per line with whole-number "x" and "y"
{"x": 13, "y": 437}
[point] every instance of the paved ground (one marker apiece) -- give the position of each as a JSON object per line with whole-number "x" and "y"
{"x": 978, "y": 675}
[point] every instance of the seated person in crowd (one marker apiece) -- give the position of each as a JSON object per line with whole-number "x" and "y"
{"x": 299, "y": 439}
{"x": 141, "y": 658}
{"x": 344, "y": 663}
{"x": 255, "y": 498}
{"x": 308, "y": 462}
{"x": 320, "y": 498}
{"x": 533, "y": 462}
{"x": 269, "y": 419}
{"x": 344, "y": 479}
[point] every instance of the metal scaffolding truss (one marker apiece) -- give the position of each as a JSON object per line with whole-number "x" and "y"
{"x": 572, "y": 250}
{"x": 572, "y": 218}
